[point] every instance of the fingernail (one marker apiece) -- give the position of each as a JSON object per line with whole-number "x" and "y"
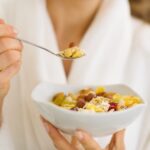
{"x": 79, "y": 135}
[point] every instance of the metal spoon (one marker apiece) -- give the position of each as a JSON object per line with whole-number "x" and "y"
{"x": 43, "y": 48}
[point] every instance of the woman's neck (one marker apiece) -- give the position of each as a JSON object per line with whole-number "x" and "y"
{"x": 71, "y": 18}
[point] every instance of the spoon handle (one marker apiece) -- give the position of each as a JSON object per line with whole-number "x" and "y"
{"x": 43, "y": 48}
{"x": 35, "y": 45}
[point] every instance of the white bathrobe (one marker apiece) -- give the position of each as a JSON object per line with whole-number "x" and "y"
{"x": 118, "y": 51}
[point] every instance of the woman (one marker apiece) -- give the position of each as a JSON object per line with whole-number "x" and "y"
{"x": 118, "y": 52}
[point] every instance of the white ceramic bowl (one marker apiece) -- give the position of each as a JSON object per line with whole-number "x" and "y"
{"x": 98, "y": 124}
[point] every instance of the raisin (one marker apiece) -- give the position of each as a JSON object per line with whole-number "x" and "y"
{"x": 81, "y": 103}
{"x": 89, "y": 97}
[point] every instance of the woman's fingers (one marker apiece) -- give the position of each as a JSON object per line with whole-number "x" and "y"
{"x": 7, "y": 31}
{"x": 9, "y": 72}
{"x": 117, "y": 141}
{"x": 86, "y": 140}
{"x": 111, "y": 145}
{"x": 8, "y": 58}
{"x": 59, "y": 141}
{"x": 2, "y": 21}
{"x": 10, "y": 44}
{"x": 76, "y": 144}
{"x": 83, "y": 138}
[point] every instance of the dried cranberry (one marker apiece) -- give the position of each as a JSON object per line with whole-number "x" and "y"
{"x": 113, "y": 106}
{"x": 81, "y": 103}
{"x": 89, "y": 97}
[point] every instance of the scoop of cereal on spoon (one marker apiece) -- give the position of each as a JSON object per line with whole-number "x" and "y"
{"x": 73, "y": 52}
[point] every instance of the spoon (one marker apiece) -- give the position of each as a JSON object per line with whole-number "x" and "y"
{"x": 49, "y": 51}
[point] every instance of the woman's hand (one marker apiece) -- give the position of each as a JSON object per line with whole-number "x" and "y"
{"x": 82, "y": 140}
{"x": 10, "y": 58}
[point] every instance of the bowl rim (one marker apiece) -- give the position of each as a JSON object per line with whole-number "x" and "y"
{"x": 63, "y": 110}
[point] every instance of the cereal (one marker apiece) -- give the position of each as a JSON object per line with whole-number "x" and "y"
{"x": 100, "y": 90}
{"x": 58, "y": 98}
{"x": 72, "y": 52}
{"x": 95, "y": 100}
